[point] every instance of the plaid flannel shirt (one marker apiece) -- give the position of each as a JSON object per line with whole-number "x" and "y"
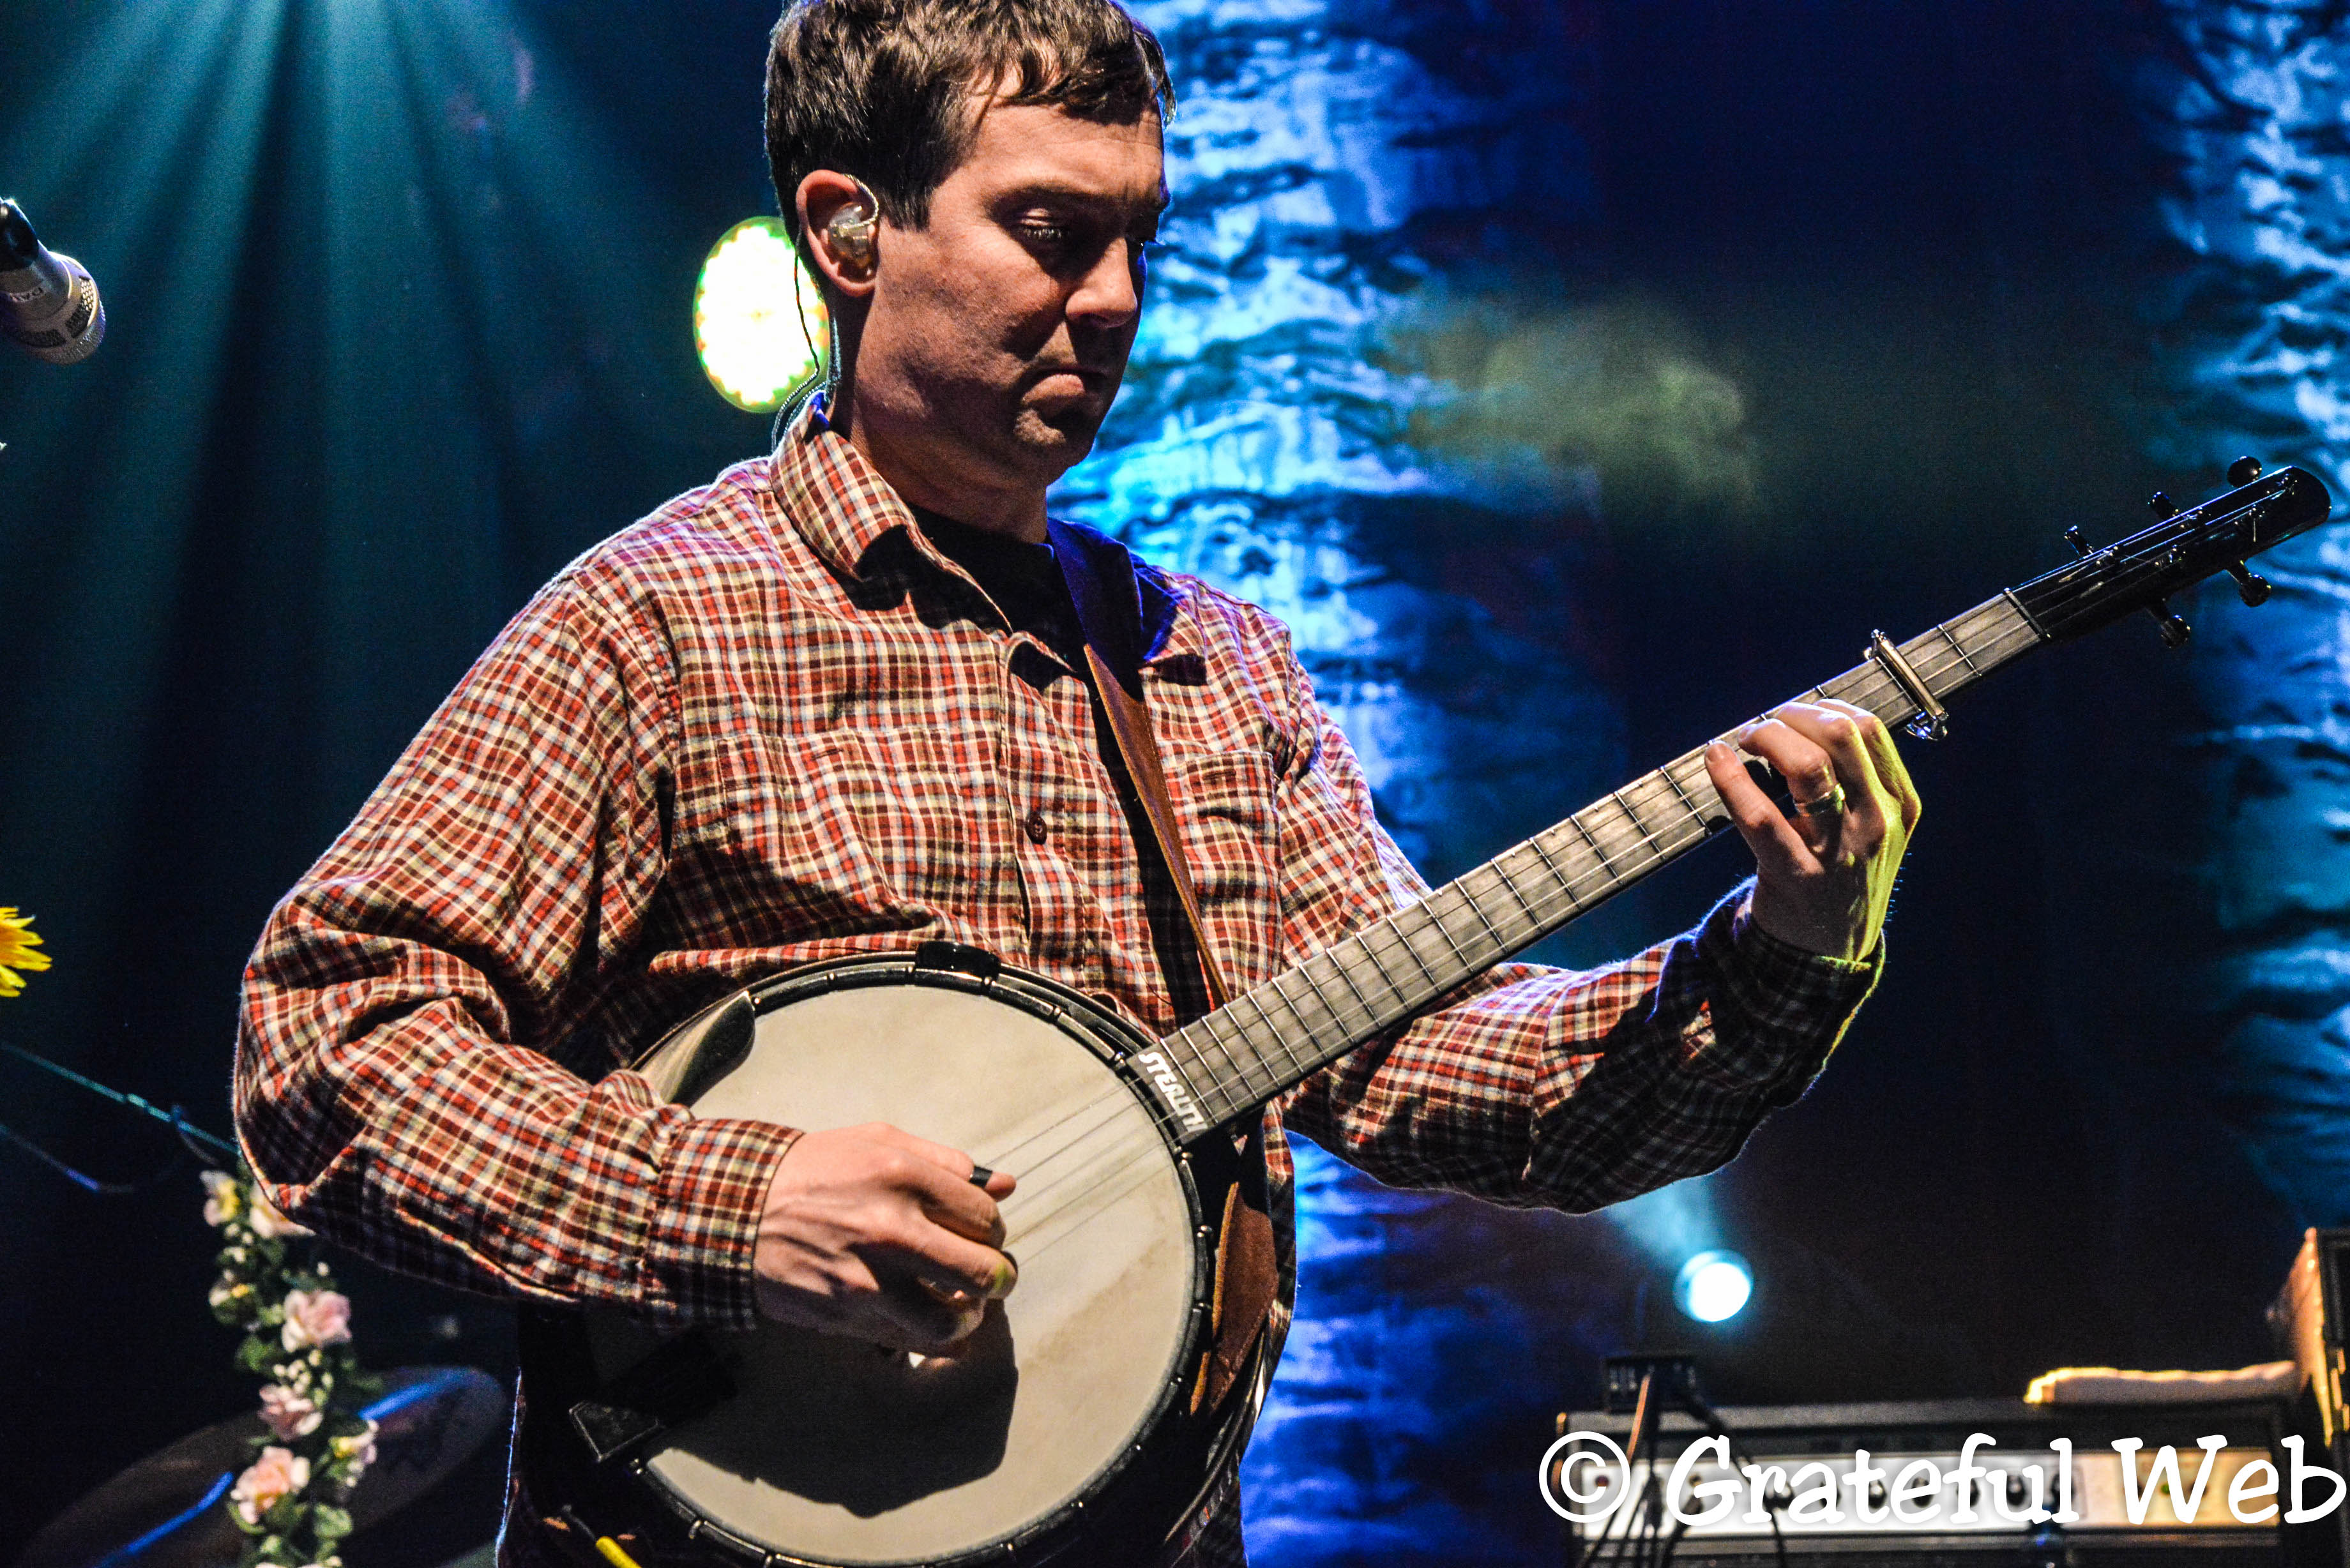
{"x": 771, "y": 725}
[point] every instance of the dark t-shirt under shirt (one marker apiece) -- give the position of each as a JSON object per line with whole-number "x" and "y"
{"x": 1026, "y": 584}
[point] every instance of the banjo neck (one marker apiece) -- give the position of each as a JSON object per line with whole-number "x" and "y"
{"x": 1272, "y": 1037}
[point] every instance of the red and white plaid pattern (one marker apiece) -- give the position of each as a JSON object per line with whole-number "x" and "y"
{"x": 769, "y": 724}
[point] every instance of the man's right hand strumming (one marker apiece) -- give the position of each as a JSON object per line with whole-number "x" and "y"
{"x": 872, "y": 1233}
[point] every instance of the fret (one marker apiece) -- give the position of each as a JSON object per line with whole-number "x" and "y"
{"x": 1306, "y": 968}
{"x": 1502, "y": 870}
{"x": 1289, "y": 1006}
{"x": 1280, "y": 1036}
{"x": 1471, "y": 900}
{"x": 1558, "y": 879}
{"x": 1924, "y": 651}
{"x": 1564, "y": 883}
{"x": 1853, "y": 686}
{"x": 1575, "y": 822}
{"x": 1240, "y": 1068}
{"x": 1634, "y": 818}
{"x": 1363, "y": 940}
{"x": 1198, "y": 1069}
{"x": 1688, "y": 805}
{"x": 2020, "y": 631}
{"x": 1404, "y": 923}
{"x": 2008, "y": 601}
{"x": 1237, "y": 1067}
{"x": 1305, "y": 1026}
{"x": 1661, "y": 792}
{"x": 1370, "y": 1014}
{"x": 1949, "y": 674}
{"x": 1256, "y": 1060}
{"x": 1253, "y": 1060}
{"x": 1960, "y": 649}
{"x": 1452, "y": 947}
{"x": 1191, "y": 1057}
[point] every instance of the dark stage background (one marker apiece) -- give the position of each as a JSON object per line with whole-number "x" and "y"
{"x": 1576, "y": 378}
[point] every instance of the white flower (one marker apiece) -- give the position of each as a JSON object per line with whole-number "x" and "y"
{"x": 224, "y": 1198}
{"x": 358, "y": 1448}
{"x": 267, "y": 1224}
{"x": 276, "y": 1473}
{"x": 228, "y": 1289}
{"x": 316, "y": 1317}
{"x": 290, "y": 1414}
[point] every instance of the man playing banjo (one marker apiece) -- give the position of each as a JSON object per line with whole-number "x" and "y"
{"x": 841, "y": 702}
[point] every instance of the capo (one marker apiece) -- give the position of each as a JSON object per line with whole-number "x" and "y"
{"x": 1933, "y": 720}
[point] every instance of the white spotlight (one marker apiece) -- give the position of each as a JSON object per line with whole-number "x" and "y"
{"x": 758, "y": 319}
{"x": 1713, "y": 1286}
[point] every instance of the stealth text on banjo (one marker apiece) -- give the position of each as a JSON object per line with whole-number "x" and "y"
{"x": 820, "y": 706}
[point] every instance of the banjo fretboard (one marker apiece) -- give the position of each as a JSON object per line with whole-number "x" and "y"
{"x": 1273, "y": 1037}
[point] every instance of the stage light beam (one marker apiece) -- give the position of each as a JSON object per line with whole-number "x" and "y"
{"x": 1714, "y": 1287}
{"x": 759, "y": 323}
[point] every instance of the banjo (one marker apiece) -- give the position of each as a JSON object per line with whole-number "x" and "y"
{"x": 1073, "y": 1430}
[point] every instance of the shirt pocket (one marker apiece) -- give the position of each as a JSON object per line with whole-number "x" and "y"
{"x": 1230, "y": 823}
{"x": 866, "y": 833}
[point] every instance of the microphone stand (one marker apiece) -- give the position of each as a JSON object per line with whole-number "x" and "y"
{"x": 193, "y": 1139}
{"x": 1673, "y": 1378}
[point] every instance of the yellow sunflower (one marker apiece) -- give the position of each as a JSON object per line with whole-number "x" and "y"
{"x": 17, "y": 944}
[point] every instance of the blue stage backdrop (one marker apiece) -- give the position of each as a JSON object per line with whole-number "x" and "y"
{"x": 2257, "y": 327}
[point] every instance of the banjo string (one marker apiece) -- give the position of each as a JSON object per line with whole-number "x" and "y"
{"x": 1111, "y": 1102}
{"x": 1561, "y": 893}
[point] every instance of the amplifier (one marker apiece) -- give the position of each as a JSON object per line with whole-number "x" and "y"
{"x": 1968, "y": 1484}
{"x": 2309, "y": 1318}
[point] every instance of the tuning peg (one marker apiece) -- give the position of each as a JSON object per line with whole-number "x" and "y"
{"x": 2174, "y": 628}
{"x": 2163, "y": 507}
{"x": 2243, "y": 471}
{"x": 2250, "y": 587}
{"x": 2072, "y": 537}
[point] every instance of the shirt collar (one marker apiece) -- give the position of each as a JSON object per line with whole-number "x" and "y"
{"x": 831, "y": 495}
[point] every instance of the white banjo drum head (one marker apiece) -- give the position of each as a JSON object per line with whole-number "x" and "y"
{"x": 834, "y": 1450}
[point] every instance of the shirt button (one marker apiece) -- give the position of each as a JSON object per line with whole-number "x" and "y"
{"x": 1034, "y": 828}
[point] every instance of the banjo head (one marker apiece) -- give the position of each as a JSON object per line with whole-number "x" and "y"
{"x": 837, "y": 1452}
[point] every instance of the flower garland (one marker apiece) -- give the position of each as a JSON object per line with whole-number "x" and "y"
{"x": 291, "y": 1502}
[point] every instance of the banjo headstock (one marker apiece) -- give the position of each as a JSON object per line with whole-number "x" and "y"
{"x": 2181, "y": 549}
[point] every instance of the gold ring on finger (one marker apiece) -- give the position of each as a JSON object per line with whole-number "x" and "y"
{"x": 1828, "y": 804}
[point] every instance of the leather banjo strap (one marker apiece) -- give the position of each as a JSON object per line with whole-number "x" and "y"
{"x": 1100, "y": 575}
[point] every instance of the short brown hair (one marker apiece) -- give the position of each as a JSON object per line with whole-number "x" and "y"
{"x": 882, "y": 89}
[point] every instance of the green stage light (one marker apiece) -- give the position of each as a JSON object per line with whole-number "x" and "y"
{"x": 758, "y": 321}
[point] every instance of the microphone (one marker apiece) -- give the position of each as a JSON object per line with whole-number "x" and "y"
{"x": 48, "y": 305}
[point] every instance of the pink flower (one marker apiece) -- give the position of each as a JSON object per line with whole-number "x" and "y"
{"x": 276, "y": 1473}
{"x": 316, "y": 1317}
{"x": 289, "y": 1414}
